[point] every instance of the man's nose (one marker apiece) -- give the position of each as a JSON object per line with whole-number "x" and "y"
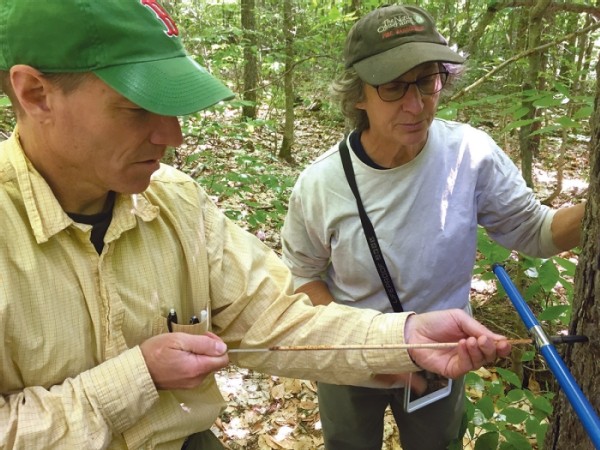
{"x": 167, "y": 132}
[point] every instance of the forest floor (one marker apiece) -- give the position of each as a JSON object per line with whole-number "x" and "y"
{"x": 238, "y": 166}
{"x": 268, "y": 412}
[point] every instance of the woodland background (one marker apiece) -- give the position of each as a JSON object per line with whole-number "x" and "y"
{"x": 531, "y": 83}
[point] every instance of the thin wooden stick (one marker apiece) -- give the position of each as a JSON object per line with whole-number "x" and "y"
{"x": 299, "y": 348}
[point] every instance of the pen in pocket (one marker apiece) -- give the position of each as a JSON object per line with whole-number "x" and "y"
{"x": 171, "y": 318}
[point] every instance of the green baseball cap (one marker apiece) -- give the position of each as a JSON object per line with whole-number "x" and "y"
{"x": 390, "y": 41}
{"x": 132, "y": 45}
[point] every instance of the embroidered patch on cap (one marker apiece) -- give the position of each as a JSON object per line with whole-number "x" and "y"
{"x": 163, "y": 16}
{"x": 401, "y": 25}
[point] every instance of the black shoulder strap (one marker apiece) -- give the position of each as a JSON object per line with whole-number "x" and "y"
{"x": 382, "y": 269}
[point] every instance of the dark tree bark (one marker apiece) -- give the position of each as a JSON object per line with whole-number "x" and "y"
{"x": 565, "y": 431}
{"x": 250, "y": 59}
{"x": 285, "y": 152}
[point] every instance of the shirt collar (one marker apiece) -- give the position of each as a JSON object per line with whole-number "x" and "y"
{"x": 44, "y": 212}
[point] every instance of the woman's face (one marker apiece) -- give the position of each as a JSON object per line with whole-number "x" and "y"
{"x": 405, "y": 121}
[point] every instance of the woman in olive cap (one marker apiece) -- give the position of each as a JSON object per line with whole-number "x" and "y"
{"x": 425, "y": 185}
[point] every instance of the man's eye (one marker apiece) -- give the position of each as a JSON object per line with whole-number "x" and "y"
{"x": 135, "y": 110}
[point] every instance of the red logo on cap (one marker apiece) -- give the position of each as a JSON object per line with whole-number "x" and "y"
{"x": 163, "y": 16}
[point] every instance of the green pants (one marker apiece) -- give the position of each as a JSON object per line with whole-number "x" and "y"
{"x": 352, "y": 418}
{"x": 205, "y": 440}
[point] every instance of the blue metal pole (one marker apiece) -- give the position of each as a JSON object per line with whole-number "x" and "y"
{"x": 579, "y": 402}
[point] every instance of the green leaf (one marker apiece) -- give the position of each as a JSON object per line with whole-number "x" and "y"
{"x": 520, "y": 112}
{"x": 518, "y": 124}
{"x": 556, "y": 312}
{"x": 496, "y": 388}
{"x": 509, "y": 376}
{"x": 540, "y": 434}
{"x": 447, "y": 113}
{"x": 494, "y": 425}
{"x": 475, "y": 381}
{"x": 533, "y": 94}
{"x": 514, "y": 415}
{"x": 564, "y": 90}
{"x": 528, "y": 356}
{"x": 456, "y": 444}
{"x": 493, "y": 99}
{"x": 534, "y": 426}
{"x": 470, "y": 414}
{"x": 487, "y": 441}
{"x": 547, "y": 130}
{"x": 515, "y": 395}
{"x": 516, "y": 440}
{"x": 548, "y": 275}
{"x": 583, "y": 113}
{"x": 542, "y": 404}
{"x": 486, "y": 406}
{"x": 478, "y": 418}
{"x": 532, "y": 291}
{"x": 493, "y": 251}
{"x": 567, "y": 122}
{"x": 549, "y": 101}
{"x": 566, "y": 264}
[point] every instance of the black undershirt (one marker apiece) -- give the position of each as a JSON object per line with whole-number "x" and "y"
{"x": 99, "y": 222}
{"x": 359, "y": 151}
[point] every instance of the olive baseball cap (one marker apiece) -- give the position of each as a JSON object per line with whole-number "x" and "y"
{"x": 132, "y": 45}
{"x": 391, "y": 40}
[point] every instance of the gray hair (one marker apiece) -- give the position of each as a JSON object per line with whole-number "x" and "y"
{"x": 348, "y": 89}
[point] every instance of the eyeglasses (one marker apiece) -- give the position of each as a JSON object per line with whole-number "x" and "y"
{"x": 428, "y": 85}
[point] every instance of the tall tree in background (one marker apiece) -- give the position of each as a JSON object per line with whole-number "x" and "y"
{"x": 529, "y": 144}
{"x": 470, "y": 35}
{"x": 250, "y": 59}
{"x": 285, "y": 151}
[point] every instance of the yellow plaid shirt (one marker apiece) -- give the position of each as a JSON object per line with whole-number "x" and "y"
{"x": 71, "y": 372}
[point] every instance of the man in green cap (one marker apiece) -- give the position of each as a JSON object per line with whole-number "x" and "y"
{"x": 104, "y": 250}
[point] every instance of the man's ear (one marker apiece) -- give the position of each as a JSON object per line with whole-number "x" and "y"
{"x": 32, "y": 90}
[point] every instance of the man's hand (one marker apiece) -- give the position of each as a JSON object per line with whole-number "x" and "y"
{"x": 181, "y": 360}
{"x": 476, "y": 344}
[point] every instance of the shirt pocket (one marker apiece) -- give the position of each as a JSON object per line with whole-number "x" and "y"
{"x": 160, "y": 326}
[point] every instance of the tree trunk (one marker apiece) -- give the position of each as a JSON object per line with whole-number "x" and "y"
{"x": 353, "y": 7}
{"x": 565, "y": 431}
{"x": 285, "y": 152}
{"x": 529, "y": 145}
{"x": 250, "y": 60}
{"x": 475, "y": 35}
